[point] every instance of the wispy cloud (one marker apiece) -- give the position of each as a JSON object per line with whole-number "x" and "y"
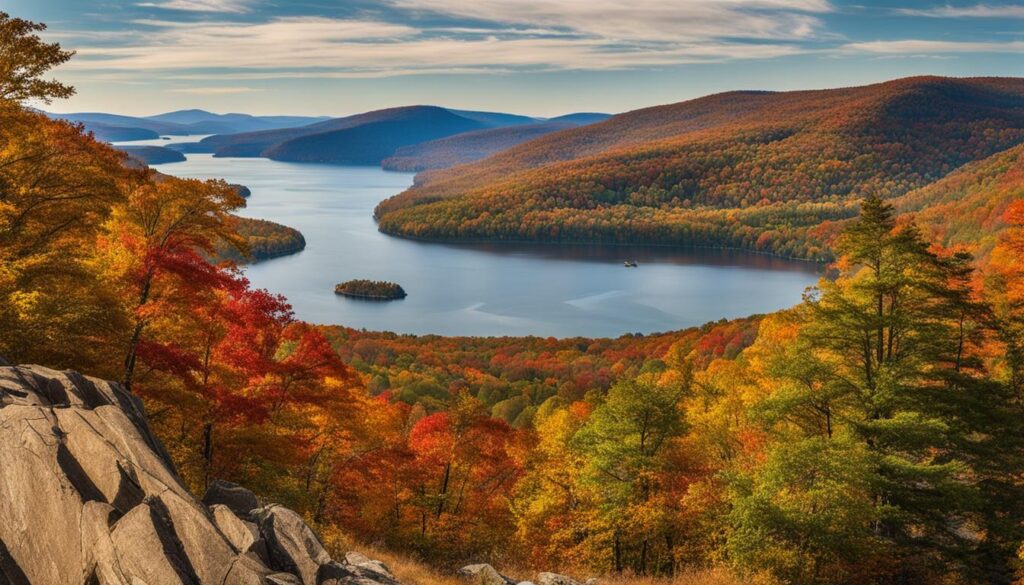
{"x": 229, "y": 6}
{"x": 976, "y": 11}
{"x": 644, "y": 20}
{"x": 925, "y": 47}
{"x": 214, "y": 90}
{"x": 326, "y": 47}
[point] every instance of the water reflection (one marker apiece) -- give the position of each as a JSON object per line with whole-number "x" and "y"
{"x": 484, "y": 289}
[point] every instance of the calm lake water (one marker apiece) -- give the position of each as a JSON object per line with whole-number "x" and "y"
{"x": 559, "y": 291}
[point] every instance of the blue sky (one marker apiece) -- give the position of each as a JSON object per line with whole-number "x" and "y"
{"x": 538, "y": 57}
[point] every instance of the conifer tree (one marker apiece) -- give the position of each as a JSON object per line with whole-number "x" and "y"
{"x": 890, "y": 347}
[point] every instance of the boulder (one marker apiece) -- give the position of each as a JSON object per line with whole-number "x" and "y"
{"x": 147, "y": 550}
{"x": 247, "y": 569}
{"x": 88, "y": 496}
{"x": 365, "y": 564}
{"x": 238, "y": 499}
{"x": 334, "y": 573}
{"x": 241, "y": 534}
{"x": 292, "y": 545}
{"x": 555, "y": 579}
{"x": 484, "y": 574}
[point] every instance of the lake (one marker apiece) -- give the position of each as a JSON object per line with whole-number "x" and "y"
{"x": 545, "y": 290}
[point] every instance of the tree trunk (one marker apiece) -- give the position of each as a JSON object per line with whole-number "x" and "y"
{"x": 641, "y": 567}
{"x": 207, "y": 452}
{"x": 617, "y": 553}
{"x": 670, "y": 547}
{"x": 133, "y": 344}
{"x": 442, "y": 494}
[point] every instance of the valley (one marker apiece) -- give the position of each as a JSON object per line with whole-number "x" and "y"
{"x": 758, "y": 337}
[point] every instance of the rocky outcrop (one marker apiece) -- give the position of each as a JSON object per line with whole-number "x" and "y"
{"x": 89, "y": 496}
{"x": 484, "y": 574}
{"x": 555, "y": 579}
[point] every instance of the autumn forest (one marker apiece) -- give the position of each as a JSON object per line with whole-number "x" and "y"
{"x": 869, "y": 434}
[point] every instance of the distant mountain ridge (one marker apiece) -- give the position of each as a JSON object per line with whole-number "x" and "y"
{"x": 373, "y": 141}
{"x": 371, "y": 137}
{"x": 113, "y": 127}
{"x": 361, "y": 139}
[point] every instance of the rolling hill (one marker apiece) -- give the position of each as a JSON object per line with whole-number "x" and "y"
{"x": 495, "y": 119}
{"x": 467, "y": 147}
{"x": 152, "y": 155}
{"x": 581, "y": 118}
{"x": 248, "y": 144}
{"x": 91, "y": 119}
{"x": 966, "y": 207}
{"x": 115, "y": 133}
{"x": 235, "y": 122}
{"x": 371, "y": 142}
{"x": 371, "y": 137}
{"x": 764, "y": 171}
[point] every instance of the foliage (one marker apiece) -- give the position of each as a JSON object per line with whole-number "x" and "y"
{"x": 263, "y": 240}
{"x": 966, "y": 208}
{"x": 24, "y": 59}
{"x": 466, "y": 147}
{"x": 370, "y": 289}
{"x": 762, "y": 171}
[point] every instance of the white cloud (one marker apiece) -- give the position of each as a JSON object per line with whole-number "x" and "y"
{"x": 924, "y": 47}
{"x": 646, "y": 20}
{"x": 324, "y": 47}
{"x": 976, "y": 11}
{"x": 213, "y": 90}
{"x": 231, "y": 6}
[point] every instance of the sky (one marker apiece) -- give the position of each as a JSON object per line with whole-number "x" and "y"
{"x": 534, "y": 57}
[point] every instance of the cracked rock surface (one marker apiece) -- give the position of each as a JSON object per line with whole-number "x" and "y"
{"x": 89, "y": 496}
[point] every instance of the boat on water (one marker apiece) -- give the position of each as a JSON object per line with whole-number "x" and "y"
{"x": 630, "y": 264}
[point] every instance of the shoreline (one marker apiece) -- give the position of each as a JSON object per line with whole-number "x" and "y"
{"x": 456, "y": 242}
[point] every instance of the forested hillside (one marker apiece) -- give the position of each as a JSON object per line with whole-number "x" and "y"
{"x": 968, "y": 206}
{"x": 466, "y": 147}
{"x": 264, "y": 240}
{"x": 755, "y": 170}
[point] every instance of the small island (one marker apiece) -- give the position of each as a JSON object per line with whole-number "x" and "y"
{"x": 374, "y": 290}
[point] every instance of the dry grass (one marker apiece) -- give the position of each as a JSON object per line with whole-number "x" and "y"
{"x": 708, "y": 577}
{"x": 410, "y": 571}
{"x": 407, "y": 570}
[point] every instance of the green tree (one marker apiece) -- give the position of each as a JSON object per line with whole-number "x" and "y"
{"x": 805, "y": 514}
{"x": 888, "y": 357}
{"x": 626, "y": 446}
